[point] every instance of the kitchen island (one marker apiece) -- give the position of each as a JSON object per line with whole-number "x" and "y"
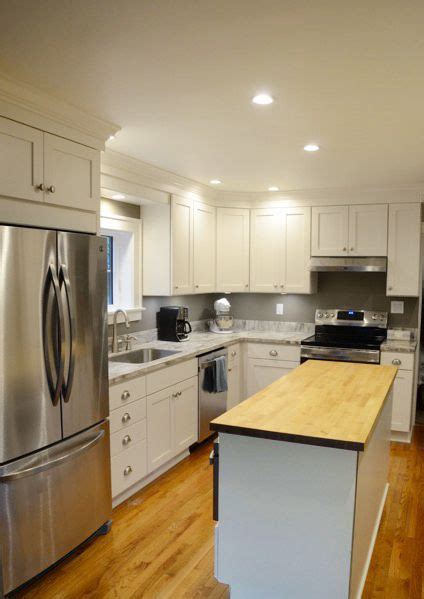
{"x": 303, "y": 470}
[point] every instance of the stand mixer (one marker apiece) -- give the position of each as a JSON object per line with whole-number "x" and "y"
{"x": 223, "y": 321}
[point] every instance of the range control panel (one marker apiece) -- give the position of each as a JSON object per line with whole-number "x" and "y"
{"x": 348, "y": 317}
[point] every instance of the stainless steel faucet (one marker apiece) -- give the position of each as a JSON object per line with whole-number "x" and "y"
{"x": 115, "y": 345}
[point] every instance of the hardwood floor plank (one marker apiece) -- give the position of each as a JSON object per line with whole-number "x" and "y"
{"x": 161, "y": 542}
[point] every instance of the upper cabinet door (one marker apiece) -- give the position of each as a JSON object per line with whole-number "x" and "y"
{"x": 71, "y": 174}
{"x": 21, "y": 161}
{"x": 330, "y": 231}
{"x": 182, "y": 245}
{"x": 368, "y": 230}
{"x": 232, "y": 249}
{"x": 404, "y": 250}
{"x": 297, "y": 277}
{"x": 266, "y": 250}
{"x": 204, "y": 255}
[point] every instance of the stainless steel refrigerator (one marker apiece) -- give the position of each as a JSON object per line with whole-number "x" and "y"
{"x": 54, "y": 440}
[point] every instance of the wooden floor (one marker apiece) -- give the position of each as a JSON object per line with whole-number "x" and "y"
{"x": 161, "y": 542}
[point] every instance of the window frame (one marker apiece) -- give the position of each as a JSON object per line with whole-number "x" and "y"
{"x": 129, "y": 225}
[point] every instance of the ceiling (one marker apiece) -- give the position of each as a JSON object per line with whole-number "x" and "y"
{"x": 178, "y": 77}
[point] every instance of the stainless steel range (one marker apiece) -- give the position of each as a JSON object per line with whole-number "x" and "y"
{"x": 346, "y": 336}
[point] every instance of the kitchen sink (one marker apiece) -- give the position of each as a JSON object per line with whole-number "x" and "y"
{"x": 141, "y": 356}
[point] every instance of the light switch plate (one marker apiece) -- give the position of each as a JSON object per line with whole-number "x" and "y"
{"x": 396, "y": 307}
{"x": 280, "y": 309}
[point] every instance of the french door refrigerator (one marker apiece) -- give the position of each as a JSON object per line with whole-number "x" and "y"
{"x": 55, "y": 487}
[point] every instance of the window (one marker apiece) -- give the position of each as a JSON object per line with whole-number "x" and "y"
{"x": 123, "y": 260}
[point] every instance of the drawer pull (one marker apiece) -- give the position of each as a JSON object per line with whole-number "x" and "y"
{"x": 127, "y": 470}
{"x": 126, "y": 417}
{"x": 125, "y": 395}
{"x": 126, "y": 440}
{"x": 273, "y": 353}
{"x": 396, "y": 362}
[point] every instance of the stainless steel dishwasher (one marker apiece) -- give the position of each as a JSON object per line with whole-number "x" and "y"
{"x": 211, "y": 405}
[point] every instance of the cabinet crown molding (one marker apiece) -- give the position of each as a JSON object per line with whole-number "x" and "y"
{"x": 28, "y": 105}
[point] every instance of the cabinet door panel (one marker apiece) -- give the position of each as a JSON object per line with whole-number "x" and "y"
{"x": 402, "y": 401}
{"x": 329, "y": 231}
{"x": 234, "y": 385}
{"x": 261, "y": 373}
{"x": 21, "y": 161}
{"x": 297, "y": 251}
{"x": 368, "y": 230}
{"x": 204, "y": 253}
{"x": 232, "y": 249}
{"x": 404, "y": 249}
{"x": 160, "y": 436}
{"x": 74, "y": 171}
{"x": 185, "y": 414}
{"x": 182, "y": 246}
{"x": 266, "y": 250}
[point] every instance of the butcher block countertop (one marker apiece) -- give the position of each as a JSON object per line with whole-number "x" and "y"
{"x": 332, "y": 404}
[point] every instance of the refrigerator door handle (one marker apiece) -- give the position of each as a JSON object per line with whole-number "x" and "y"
{"x": 50, "y": 464}
{"x": 67, "y": 385}
{"x": 50, "y": 352}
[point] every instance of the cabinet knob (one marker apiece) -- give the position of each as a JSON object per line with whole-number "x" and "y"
{"x": 389, "y": 288}
{"x": 126, "y": 417}
{"x": 197, "y": 286}
{"x": 247, "y": 285}
{"x": 127, "y": 470}
{"x": 233, "y": 353}
{"x": 282, "y": 286}
{"x": 344, "y": 249}
{"x": 273, "y": 353}
{"x": 40, "y": 187}
{"x": 396, "y": 362}
{"x": 126, "y": 440}
{"x": 125, "y": 395}
{"x": 230, "y": 369}
{"x": 51, "y": 189}
{"x": 351, "y": 249}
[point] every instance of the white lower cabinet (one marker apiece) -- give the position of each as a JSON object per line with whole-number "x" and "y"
{"x": 128, "y": 467}
{"x": 266, "y": 363}
{"x": 402, "y": 389}
{"x": 234, "y": 393}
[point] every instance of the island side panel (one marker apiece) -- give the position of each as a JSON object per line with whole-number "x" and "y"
{"x": 286, "y": 514}
{"x": 371, "y": 491}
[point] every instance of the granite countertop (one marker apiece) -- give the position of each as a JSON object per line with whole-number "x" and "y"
{"x": 198, "y": 343}
{"x": 398, "y": 345}
{"x": 296, "y": 407}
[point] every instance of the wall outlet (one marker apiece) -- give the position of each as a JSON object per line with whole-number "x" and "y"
{"x": 396, "y": 307}
{"x": 279, "y": 309}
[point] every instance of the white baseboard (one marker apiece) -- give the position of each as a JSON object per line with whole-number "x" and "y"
{"x": 401, "y": 437}
{"x": 373, "y": 539}
{"x": 148, "y": 479}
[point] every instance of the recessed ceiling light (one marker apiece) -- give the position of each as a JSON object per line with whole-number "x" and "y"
{"x": 273, "y": 188}
{"x": 311, "y": 148}
{"x": 262, "y": 99}
{"x": 111, "y": 137}
{"x": 215, "y": 182}
{"x": 118, "y": 196}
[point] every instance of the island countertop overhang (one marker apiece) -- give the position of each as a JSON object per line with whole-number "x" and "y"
{"x": 323, "y": 403}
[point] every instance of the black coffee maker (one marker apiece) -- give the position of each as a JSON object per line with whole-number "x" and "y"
{"x": 173, "y": 324}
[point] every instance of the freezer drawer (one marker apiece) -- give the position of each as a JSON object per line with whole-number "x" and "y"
{"x": 51, "y": 502}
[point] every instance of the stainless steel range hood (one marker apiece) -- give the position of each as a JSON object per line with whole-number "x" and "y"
{"x": 324, "y": 264}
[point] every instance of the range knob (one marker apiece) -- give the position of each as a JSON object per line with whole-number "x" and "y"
{"x": 332, "y": 314}
{"x": 326, "y": 315}
{"x": 374, "y": 316}
{"x": 319, "y": 314}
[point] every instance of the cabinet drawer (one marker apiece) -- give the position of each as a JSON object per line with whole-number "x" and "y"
{"x": 401, "y": 360}
{"x": 234, "y": 354}
{"x": 129, "y": 467}
{"x": 274, "y": 351}
{"x": 124, "y": 439}
{"x": 127, "y": 392}
{"x": 127, "y": 415}
{"x": 170, "y": 375}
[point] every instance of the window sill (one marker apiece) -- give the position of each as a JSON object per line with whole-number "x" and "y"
{"x": 133, "y": 314}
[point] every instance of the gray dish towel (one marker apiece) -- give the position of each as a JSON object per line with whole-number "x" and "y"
{"x": 221, "y": 383}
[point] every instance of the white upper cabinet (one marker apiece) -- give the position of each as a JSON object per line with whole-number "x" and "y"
{"x": 182, "y": 245}
{"x": 280, "y": 251}
{"x": 330, "y": 231}
{"x": 204, "y": 244}
{"x": 297, "y": 278}
{"x": 266, "y": 250}
{"x": 232, "y": 249}
{"x": 21, "y": 161}
{"x": 404, "y": 250}
{"x": 368, "y": 230}
{"x": 71, "y": 174}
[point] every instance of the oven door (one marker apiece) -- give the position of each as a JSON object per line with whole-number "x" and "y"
{"x": 340, "y": 354}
